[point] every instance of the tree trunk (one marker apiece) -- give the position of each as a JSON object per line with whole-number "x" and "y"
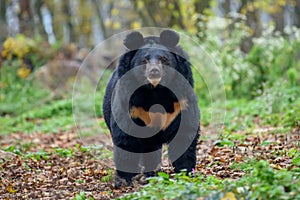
{"x": 97, "y": 6}
{"x": 152, "y": 8}
{"x": 36, "y": 12}
{"x": 176, "y": 19}
{"x": 297, "y": 13}
{"x": 200, "y": 7}
{"x": 25, "y": 17}
{"x": 252, "y": 21}
{"x": 226, "y": 7}
{"x": 2, "y": 12}
{"x": 3, "y": 25}
{"x": 68, "y": 19}
{"x": 278, "y": 18}
{"x": 146, "y": 21}
{"x": 56, "y": 20}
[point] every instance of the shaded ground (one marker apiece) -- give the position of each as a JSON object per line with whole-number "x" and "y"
{"x": 59, "y": 166}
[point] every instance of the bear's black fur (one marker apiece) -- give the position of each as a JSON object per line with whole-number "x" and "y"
{"x": 153, "y": 56}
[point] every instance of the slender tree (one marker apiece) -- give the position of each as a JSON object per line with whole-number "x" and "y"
{"x": 25, "y": 18}
{"x": 72, "y": 36}
{"x": 3, "y": 24}
{"x": 36, "y": 6}
{"x": 97, "y": 6}
{"x": 297, "y": 13}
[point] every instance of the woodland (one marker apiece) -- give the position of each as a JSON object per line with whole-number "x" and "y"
{"x": 56, "y": 58}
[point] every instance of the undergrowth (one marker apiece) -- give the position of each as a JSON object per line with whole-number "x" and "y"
{"x": 260, "y": 182}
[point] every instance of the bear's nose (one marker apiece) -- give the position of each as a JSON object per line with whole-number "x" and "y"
{"x": 154, "y": 71}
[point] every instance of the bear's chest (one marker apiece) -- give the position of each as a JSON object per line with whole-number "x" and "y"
{"x": 156, "y": 108}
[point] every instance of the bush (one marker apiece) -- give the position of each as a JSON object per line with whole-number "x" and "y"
{"x": 272, "y": 56}
{"x": 27, "y": 52}
{"x": 16, "y": 94}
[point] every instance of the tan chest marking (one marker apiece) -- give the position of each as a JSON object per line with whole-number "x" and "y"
{"x": 157, "y": 119}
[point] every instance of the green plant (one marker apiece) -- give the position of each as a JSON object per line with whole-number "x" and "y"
{"x": 267, "y": 183}
{"x": 272, "y": 57}
{"x": 82, "y": 196}
{"x": 260, "y": 182}
{"x": 61, "y": 107}
{"x": 179, "y": 187}
{"x": 64, "y": 152}
{"x": 38, "y": 155}
{"x": 108, "y": 177}
{"x": 13, "y": 149}
{"x": 18, "y": 95}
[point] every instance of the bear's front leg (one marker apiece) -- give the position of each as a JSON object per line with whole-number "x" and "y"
{"x": 127, "y": 166}
{"x": 187, "y": 161}
{"x": 151, "y": 162}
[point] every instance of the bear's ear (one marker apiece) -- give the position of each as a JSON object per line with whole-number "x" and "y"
{"x": 134, "y": 40}
{"x": 169, "y": 38}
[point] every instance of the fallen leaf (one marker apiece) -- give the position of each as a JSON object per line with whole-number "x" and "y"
{"x": 229, "y": 196}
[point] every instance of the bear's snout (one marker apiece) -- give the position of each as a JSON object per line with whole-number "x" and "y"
{"x": 154, "y": 72}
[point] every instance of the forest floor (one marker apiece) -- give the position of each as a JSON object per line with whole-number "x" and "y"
{"x": 60, "y": 166}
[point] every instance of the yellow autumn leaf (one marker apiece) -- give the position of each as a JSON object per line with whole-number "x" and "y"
{"x": 23, "y": 72}
{"x": 116, "y": 25}
{"x": 157, "y": 17}
{"x": 4, "y": 53}
{"x": 9, "y": 42}
{"x": 244, "y": 11}
{"x": 86, "y": 28}
{"x": 115, "y": 12}
{"x": 171, "y": 6}
{"x": 135, "y": 25}
{"x": 71, "y": 80}
{"x": 10, "y": 189}
{"x": 108, "y": 23}
{"x": 251, "y": 31}
{"x": 193, "y": 30}
{"x": 282, "y": 2}
{"x": 140, "y": 5}
{"x": 229, "y": 196}
{"x": 256, "y": 4}
{"x": 9, "y": 57}
{"x": 250, "y": 7}
{"x": 293, "y": 3}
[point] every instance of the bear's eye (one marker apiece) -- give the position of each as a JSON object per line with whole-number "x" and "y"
{"x": 164, "y": 60}
{"x": 144, "y": 61}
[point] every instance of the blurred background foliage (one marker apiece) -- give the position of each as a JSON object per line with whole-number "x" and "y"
{"x": 255, "y": 44}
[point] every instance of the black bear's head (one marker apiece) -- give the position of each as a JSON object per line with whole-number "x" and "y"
{"x": 154, "y": 54}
